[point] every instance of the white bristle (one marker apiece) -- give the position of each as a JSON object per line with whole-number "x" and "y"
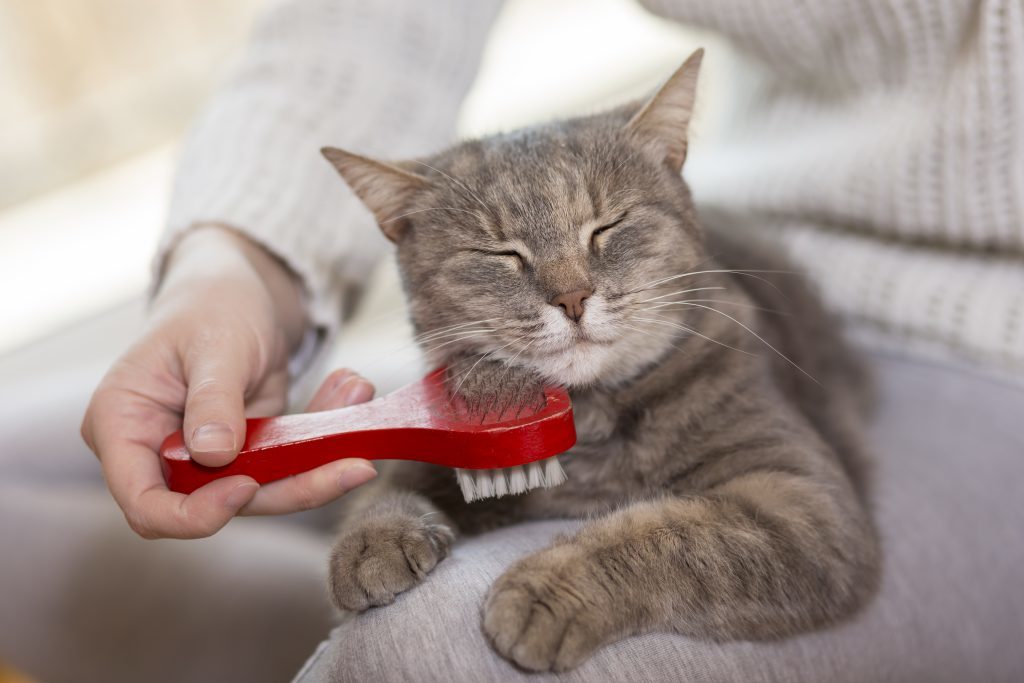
{"x": 500, "y": 483}
{"x": 484, "y": 484}
{"x": 516, "y": 480}
{"x": 554, "y": 475}
{"x": 477, "y": 484}
{"x": 466, "y": 483}
{"x": 534, "y": 475}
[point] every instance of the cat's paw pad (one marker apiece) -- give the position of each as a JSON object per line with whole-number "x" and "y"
{"x": 545, "y": 613}
{"x": 382, "y": 557}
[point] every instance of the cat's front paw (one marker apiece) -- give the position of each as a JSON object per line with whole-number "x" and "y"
{"x": 382, "y": 557}
{"x": 549, "y": 611}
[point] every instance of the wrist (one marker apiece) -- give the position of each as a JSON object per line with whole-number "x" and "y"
{"x": 211, "y": 253}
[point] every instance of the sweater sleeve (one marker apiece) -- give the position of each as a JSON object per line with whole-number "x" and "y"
{"x": 384, "y": 78}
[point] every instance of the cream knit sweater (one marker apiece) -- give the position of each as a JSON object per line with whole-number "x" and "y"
{"x": 883, "y": 140}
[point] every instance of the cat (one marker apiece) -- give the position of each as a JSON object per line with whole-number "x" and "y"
{"x": 719, "y": 413}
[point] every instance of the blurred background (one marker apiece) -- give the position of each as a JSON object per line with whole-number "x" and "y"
{"x": 95, "y": 94}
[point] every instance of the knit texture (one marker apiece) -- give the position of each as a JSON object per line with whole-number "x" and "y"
{"x": 385, "y": 78}
{"x": 882, "y": 140}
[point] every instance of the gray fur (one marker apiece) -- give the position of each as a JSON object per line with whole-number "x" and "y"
{"x": 724, "y": 488}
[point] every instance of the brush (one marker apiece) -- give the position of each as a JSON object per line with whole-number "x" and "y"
{"x": 493, "y": 455}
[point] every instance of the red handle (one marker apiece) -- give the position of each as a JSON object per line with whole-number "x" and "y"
{"x": 416, "y": 422}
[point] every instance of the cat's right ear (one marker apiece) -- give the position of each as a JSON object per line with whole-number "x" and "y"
{"x": 386, "y": 190}
{"x": 663, "y": 121}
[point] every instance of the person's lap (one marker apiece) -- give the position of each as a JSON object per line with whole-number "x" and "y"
{"x": 949, "y": 448}
{"x": 83, "y": 599}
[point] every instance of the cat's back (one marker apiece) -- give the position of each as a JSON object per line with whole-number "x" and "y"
{"x": 794, "y": 320}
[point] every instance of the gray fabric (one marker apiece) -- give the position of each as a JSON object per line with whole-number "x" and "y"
{"x": 950, "y": 447}
{"x": 82, "y": 598}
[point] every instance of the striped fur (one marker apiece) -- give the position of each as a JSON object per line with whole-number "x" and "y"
{"x": 719, "y": 463}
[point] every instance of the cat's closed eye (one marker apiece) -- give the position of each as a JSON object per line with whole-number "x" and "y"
{"x": 510, "y": 255}
{"x": 603, "y": 230}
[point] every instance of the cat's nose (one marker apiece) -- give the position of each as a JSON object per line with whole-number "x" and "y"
{"x": 571, "y": 303}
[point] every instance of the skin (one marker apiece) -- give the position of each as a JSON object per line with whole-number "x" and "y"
{"x": 211, "y": 361}
{"x": 719, "y": 414}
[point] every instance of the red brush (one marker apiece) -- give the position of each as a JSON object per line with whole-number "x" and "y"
{"x": 493, "y": 456}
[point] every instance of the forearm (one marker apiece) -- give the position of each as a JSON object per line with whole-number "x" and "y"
{"x": 210, "y": 254}
{"x": 383, "y": 77}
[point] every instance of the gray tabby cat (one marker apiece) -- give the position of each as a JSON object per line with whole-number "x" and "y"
{"x": 723, "y": 484}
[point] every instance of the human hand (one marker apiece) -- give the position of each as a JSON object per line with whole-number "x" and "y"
{"x": 214, "y": 352}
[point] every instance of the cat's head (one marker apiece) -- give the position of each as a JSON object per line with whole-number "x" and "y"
{"x": 539, "y": 246}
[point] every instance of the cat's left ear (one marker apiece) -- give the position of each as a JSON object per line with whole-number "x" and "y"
{"x": 663, "y": 121}
{"x": 386, "y": 189}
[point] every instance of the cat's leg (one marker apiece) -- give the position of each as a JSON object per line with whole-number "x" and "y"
{"x": 399, "y": 527}
{"x": 386, "y": 547}
{"x": 766, "y": 554}
{"x": 402, "y": 525}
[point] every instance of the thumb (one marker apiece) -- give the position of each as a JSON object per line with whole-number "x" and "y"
{"x": 214, "y": 421}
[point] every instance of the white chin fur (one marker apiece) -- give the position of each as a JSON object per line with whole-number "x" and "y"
{"x": 579, "y": 365}
{"x": 562, "y": 361}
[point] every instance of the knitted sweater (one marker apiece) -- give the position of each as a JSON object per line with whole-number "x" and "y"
{"x": 882, "y": 140}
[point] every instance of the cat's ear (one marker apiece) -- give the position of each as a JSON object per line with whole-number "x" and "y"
{"x": 386, "y": 189}
{"x": 663, "y": 120}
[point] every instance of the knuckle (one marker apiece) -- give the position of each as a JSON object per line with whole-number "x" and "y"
{"x": 139, "y": 525}
{"x": 306, "y": 497}
{"x": 207, "y": 388}
{"x": 307, "y": 501}
{"x": 196, "y": 526}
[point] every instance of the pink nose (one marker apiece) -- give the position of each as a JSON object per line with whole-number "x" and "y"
{"x": 571, "y": 303}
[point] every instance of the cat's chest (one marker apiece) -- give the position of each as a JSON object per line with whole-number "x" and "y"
{"x": 595, "y": 416}
{"x": 601, "y": 469}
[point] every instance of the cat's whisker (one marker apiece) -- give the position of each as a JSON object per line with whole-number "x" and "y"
{"x": 422, "y": 336}
{"x": 489, "y": 353}
{"x": 510, "y": 363}
{"x": 461, "y": 184}
{"x": 666, "y": 305}
{"x": 519, "y": 352}
{"x": 648, "y": 333}
{"x": 453, "y": 341}
{"x": 759, "y": 337}
{"x": 681, "y": 291}
{"x": 686, "y": 328}
{"x": 747, "y": 273}
{"x": 458, "y": 334}
{"x": 435, "y": 208}
{"x": 449, "y": 333}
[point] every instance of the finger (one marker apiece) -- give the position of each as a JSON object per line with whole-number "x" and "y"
{"x": 341, "y": 388}
{"x": 131, "y": 467}
{"x": 214, "y": 421}
{"x": 160, "y": 513}
{"x": 310, "y": 489}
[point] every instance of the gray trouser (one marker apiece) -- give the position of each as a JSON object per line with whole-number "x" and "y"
{"x": 950, "y": 481}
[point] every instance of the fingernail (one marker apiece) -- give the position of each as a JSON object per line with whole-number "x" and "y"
{"x": 341, "y": 377}
{"x": 357, "y": 390}
{"x": 213, "y": 437}
{"x": 240, "y": 495}
{"x": 355, "y": 474}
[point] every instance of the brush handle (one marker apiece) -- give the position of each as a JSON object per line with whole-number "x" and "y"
{"x": 417, "y": 422}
